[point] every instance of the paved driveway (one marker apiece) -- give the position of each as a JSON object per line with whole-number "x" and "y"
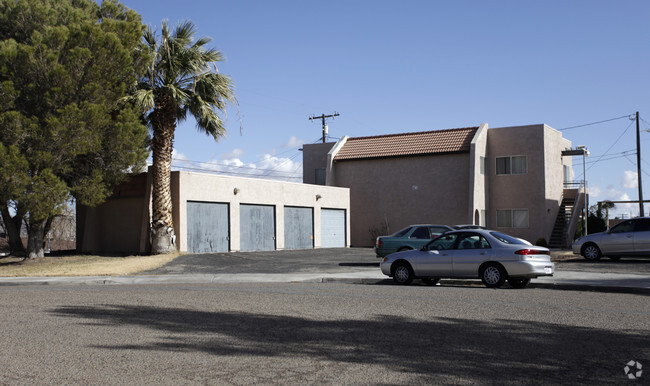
{"x": 333, "y": 260}
{"x": 328, "y": 260}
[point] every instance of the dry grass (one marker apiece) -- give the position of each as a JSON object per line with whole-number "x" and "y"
{"x": 81, "y": 265}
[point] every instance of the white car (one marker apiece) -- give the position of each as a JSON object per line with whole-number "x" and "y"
{"x": 492, "y": 256}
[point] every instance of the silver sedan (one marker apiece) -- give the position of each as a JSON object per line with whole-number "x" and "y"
{"x": 628, "y": 238}
{"x": 492, "y": 256}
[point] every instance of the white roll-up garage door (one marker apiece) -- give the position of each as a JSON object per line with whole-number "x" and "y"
{"x": 333, "y": 228}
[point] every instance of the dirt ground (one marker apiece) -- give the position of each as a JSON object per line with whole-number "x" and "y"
{"x": 81, "y": 265}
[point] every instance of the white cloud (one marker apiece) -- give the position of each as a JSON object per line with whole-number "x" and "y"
{"x": 594, "y": 191}
{"x": 268, "y": 167}
{"x": 629, "y": 179}
{"x": 294, "y": 142}
{"x": 236, "y": 153}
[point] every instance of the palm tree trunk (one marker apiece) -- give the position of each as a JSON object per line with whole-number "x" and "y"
{"x": 162, "y": 227}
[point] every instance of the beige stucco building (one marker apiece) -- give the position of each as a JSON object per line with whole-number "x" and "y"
{"x": 511, "y": 179}
{"x": 216, "y": 213}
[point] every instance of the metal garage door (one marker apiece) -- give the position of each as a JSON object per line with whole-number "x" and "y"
{"x": 257, "y": 232}
{"x": 207, "y": 227}
{"x": 298, "y": 228}
{"x": 332, "y": 228}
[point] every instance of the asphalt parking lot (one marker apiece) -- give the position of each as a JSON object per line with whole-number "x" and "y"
{"x": 345, "y": 259}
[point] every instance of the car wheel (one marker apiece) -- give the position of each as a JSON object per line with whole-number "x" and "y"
{"x": 431, "y": 280}
{"x": 591, "y": 252}
{"x": 493, "y": 275}
{"x": 403, "y": 273}
{"x": 404, "y": 249}
{"x": 518, "y": 283}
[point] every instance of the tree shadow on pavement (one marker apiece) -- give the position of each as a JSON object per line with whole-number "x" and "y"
{"x": 442, "y": 349}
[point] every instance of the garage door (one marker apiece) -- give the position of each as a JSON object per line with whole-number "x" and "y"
{"x": 257, "y": 230}
{"x": 207, "y": 227}
{"x": 298, "y": 228}
{"x": 333, "y": 228}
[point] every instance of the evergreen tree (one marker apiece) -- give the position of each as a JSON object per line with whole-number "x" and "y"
{"x": 64, "y": 67}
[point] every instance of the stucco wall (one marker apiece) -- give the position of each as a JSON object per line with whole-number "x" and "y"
{"x": 540, "y": 189}
{"x": 478, "y": 177}
{"x": 216, "y": 188}
{"x": 554, "y": 143}
{"x": 389, "y": 194}
{"x": 121, "y": 224}
{"x": 314, "y": 156}
{"x": 113, "y": 227}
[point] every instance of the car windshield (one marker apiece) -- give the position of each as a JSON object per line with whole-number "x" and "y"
{"x": 507, "y": 239}
{"x": 402, "y": 232}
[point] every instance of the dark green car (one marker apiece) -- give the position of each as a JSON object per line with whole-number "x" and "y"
{"x": 411, "y": 237}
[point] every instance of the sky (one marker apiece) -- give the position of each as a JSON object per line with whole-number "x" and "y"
{"x": 403, "y": 66}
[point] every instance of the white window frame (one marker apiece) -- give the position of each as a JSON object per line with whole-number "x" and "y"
{"x": 509, "y": 165}
{"x": 513, "y": 221}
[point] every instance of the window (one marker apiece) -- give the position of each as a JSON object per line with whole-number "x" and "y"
{"x": 420, "y": 233}
{"x": 642, "y": 225}
{"x": 436, "y": 231}
{"x": 443, "y": 242}
{"x": 483, "y": 162}
{"x": 624, "y": 227}
{"x": 512, "y": 218}
{"x": 512, "y": 165}
{"x": 473, "y": 241}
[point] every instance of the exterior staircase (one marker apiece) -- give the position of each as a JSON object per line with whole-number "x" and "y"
{"x": 559, "y": 234}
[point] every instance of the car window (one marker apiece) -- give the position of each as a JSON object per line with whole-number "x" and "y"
{"x": 642, "y": 225}
{"x": 504, "y": 238}
{"x": 402, "y": 232}
{"x": 420, "y": 233}
{"x": 625, "y": 226}
{"x": 435, "y": 231}
{"x": 473, "y": 241}
{"x": 443, "y": 242}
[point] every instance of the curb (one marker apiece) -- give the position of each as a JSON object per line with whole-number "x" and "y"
{"x": 367, "y": 278}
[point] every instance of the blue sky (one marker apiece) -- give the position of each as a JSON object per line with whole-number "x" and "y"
{"x": 400, "y": 66}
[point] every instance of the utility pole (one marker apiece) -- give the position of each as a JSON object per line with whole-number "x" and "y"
{"x": 638, "y": 165}
{"x": 323, "y": 117}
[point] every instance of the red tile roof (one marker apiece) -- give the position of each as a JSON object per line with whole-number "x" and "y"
{"x": 408, "y": 144}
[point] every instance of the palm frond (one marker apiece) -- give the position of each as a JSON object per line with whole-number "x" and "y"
{"x": 182, "y": 75}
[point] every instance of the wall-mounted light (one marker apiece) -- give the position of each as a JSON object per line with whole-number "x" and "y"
{"x": 236, "y": 191}
{"x": 318, "y": 197}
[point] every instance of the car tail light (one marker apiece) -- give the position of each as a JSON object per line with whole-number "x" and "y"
{"x": 532, "y": 252}
{"x": 379, "y": 243}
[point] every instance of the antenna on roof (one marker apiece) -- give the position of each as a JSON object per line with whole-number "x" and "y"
{"x": 323, "y": 117}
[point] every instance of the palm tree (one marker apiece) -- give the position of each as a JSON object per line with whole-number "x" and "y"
{"x": 181, "y": 77}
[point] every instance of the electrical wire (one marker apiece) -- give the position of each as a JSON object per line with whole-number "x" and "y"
{"x": 595, "y": 123}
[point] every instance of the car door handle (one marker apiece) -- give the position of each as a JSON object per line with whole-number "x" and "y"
{"x": 628, "y": 236}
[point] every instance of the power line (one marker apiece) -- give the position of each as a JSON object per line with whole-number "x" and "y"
{"x": 196, "y": 166}
{"x": 236, "y": 173}
{"x": 595, "y": 123}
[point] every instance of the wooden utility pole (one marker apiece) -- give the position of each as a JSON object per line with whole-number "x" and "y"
{"x": 323, "y": 117}
{"x": 638, "y": 165}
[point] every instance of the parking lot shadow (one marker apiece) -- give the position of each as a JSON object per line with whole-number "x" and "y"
{"x": 440, "y": 350}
